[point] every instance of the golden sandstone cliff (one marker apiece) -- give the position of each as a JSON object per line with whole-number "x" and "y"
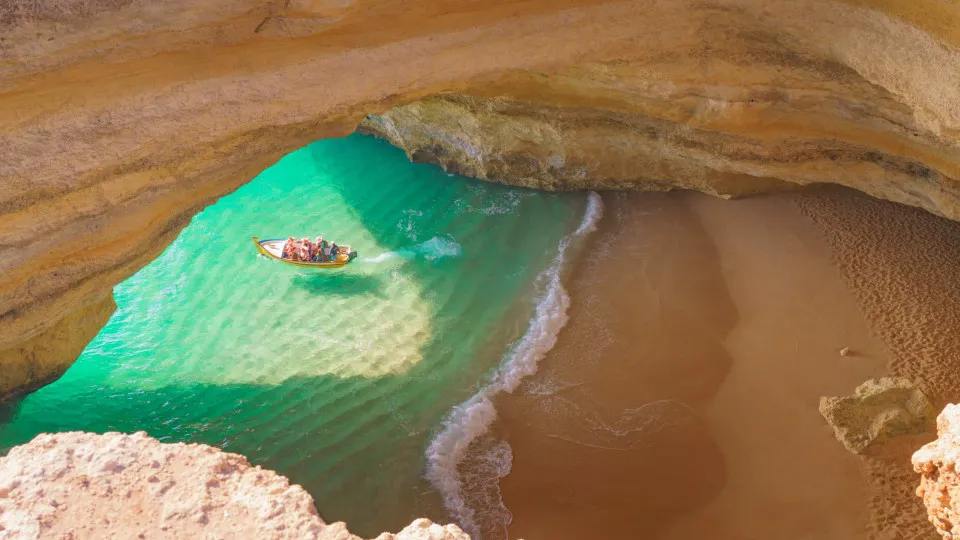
{"x": 120, "y": 119}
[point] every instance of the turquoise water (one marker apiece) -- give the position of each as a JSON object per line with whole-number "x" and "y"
{"x": 338, "y": 379}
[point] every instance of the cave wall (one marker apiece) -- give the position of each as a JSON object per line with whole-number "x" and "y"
{"x": 121, "y": 119}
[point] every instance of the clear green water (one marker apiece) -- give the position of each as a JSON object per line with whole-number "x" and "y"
{"x": 338, "y": 379}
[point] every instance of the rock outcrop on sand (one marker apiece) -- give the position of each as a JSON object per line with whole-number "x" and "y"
{"x": 939, "y": 480}
{"x": 121, "y": 119}
{"x": 879, "y": 409}
{"x": 84, "y": 485}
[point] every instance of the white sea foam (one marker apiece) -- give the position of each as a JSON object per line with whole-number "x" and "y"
{"x": 472, "y": 418}
{"x": 385, "y": 256}
{"x": 437, "y": 247}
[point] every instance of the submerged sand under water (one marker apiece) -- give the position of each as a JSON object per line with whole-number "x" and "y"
{"x": 680, "y": 400}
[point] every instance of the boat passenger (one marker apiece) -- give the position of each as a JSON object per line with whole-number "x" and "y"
{"x": 327, "y": 252}
{"x": 288, "y": 249}
{"x": 323, "y": 251}
{"x": 318, "y": 250}
{"x": 334, "y": 251}
{"x": 304, "y": 249}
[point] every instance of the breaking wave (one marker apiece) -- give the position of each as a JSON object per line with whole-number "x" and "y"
{"x": 472, "y": 418}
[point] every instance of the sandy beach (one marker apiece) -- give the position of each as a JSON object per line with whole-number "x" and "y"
{"x": 901, "y": 265}
{"x": 681, "y": 399}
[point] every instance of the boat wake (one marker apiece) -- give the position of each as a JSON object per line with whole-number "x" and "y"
{"x": 435, "y": 248}
{"x": 472, "y": 418}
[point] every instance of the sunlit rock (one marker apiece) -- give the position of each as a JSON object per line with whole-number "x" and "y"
{"x": 85, "y": 485}
{"x": 939, "y": 482}
{"x": 878, "y": 410}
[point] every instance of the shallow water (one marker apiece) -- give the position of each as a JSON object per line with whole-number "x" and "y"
{"x": 339, "y": 379}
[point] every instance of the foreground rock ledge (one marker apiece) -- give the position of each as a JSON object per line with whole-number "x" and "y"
{"x": 84, "y": 485}
{"x": 939, "y": 483}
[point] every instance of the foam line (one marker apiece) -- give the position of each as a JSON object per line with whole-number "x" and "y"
{"x": 473, "y": 418}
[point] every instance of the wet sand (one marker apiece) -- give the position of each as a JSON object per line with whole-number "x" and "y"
{"x": 681, "y": 399}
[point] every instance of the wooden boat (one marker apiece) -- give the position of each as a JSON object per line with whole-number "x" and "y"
{"x": 273, "y": 248}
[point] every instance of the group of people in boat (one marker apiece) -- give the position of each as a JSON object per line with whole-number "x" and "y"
{"x": 307, "y": 251}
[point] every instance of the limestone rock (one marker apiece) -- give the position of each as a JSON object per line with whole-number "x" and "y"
{"x": 936, "y": 463}
{"x": 84, "y": 485}
{"x": 121, "y": 119}
{"x": 424, "y": 529}
{"x": 878, "y": 410}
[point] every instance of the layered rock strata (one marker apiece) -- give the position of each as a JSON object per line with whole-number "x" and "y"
{"x": 937, "y": 463}
{"x": 121, "y": 119}
{"x": 84, "y": 485}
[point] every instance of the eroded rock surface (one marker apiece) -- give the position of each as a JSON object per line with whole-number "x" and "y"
{"x": 939, "y": 481}
{"x": 121, "y": 119}
{"x": 878, "y": 410}
{"x": 85, "y": 485}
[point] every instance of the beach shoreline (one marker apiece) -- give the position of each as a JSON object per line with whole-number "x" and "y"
{"x": 680, "y": 400}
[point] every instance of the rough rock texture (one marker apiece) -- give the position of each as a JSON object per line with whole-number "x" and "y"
{"x": 939, "y": 482}
{"x": 120, "y": 119}
{"x": 751, "y": 116}
{"x": 879, "y": 409}
{"x": 84, "y": 485}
